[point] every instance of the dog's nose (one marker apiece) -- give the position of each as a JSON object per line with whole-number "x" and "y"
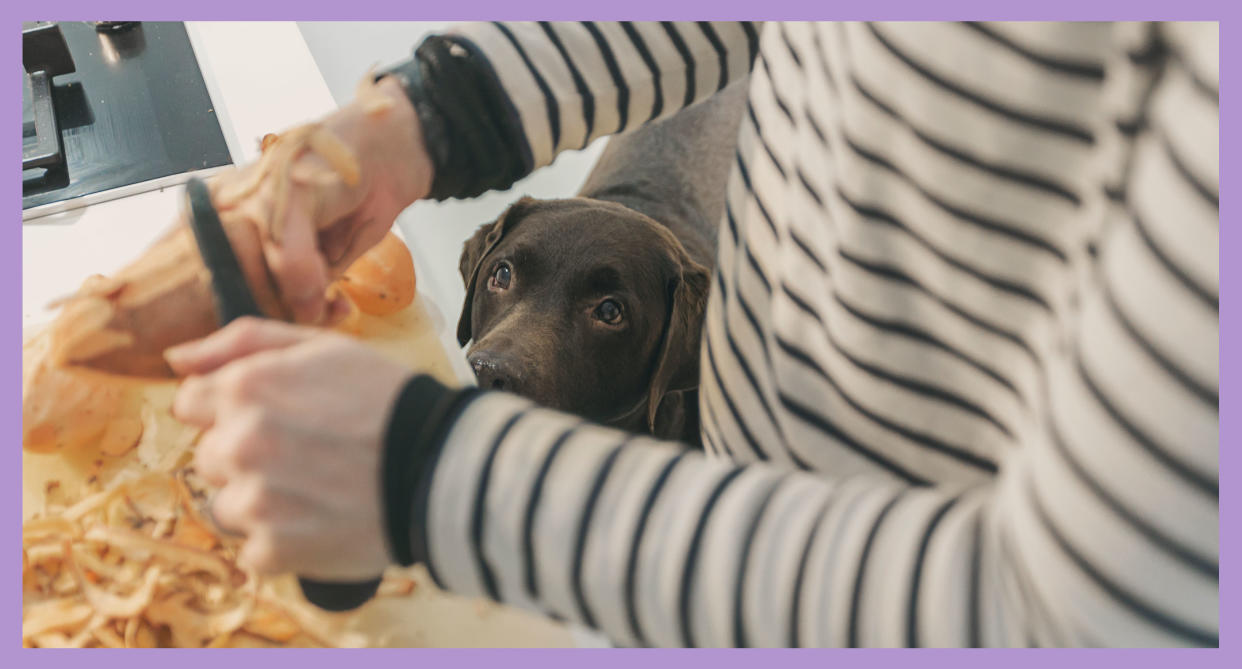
{"x": 495, "y": 372}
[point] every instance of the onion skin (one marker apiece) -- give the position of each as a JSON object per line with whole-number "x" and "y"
{"x": 382, "y": 281}
{"x": 160, "y": 300}
{"x": 70, "y": 400}
{"x": 61, "y": 409}
{"x": 122, "y": 325}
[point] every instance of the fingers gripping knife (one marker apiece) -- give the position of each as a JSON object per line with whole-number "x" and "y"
{"x": 234, "y": 300}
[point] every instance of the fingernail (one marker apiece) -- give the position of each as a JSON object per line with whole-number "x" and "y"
{"x": 175, "y": 355}
{"x": 182, "y": 357}
{"x": 181, "y": 351}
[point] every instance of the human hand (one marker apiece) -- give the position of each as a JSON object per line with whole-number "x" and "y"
{"x": 295, "y": 421}
{"x": 316, "y": 214}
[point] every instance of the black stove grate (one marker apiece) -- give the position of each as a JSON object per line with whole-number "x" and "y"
{"x": 135, "y": 109}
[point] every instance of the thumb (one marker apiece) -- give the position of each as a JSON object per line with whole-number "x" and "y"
{"x": 243, "y": 337}
{"x": 297, "y": 266}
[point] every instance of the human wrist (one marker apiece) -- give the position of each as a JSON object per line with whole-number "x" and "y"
{"x": 386, "y": 134}
{"x": 473, "y": 135}
{"x": 422, "y": 415}
{"x": 412, "y": 141}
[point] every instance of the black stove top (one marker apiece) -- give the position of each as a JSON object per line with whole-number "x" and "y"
{"x": 135, "y": 109}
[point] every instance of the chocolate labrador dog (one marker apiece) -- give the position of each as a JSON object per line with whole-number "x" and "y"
{"x": 594, "y": 304}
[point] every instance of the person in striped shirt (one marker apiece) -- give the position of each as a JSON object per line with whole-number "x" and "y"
{"x": 959, "y": 365}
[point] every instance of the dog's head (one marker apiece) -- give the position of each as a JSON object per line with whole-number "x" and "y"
{"x": 584, "y": 306}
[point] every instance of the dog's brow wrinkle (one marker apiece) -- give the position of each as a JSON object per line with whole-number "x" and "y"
{"x": 605, "y": 274}
{"x": 523, "y": 256}
{"x": 599, "y": 280}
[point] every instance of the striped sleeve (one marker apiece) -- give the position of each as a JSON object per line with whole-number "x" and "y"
{"x": 1113, "y": 521}
{"x": 572, "y": 82}
{"x": 1099, "y": 528}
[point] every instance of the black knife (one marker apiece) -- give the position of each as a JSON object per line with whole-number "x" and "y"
{"x": 234, "y": 300}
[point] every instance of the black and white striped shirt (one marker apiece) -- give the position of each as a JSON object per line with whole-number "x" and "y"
{"x": 959, "y": 361}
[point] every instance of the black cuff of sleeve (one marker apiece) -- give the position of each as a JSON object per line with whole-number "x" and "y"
{"x": 472, "y": 131}
{"x": 424, "y": 412}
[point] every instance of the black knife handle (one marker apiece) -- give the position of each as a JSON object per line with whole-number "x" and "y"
{"x": 234, "y": 300}
{"x": 338, "y": 597}
{"x": 228, "y": 283}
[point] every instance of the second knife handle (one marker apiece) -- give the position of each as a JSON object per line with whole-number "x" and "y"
{"x": 339, "y": 597}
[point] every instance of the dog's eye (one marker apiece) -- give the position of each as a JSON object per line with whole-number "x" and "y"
{"x": 501, "y": 277}
{"x": 609, "y": 312}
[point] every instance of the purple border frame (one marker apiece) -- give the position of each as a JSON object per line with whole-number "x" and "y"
{"x": 10, "y": 362}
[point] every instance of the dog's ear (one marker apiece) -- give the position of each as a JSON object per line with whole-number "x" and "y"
{"x": 472, "y": 252}
{"x": 475, "y": 250}
{"x": 677, "y": 367}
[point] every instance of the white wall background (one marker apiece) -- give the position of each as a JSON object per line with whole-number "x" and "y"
{"x": 344, "y": 51}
